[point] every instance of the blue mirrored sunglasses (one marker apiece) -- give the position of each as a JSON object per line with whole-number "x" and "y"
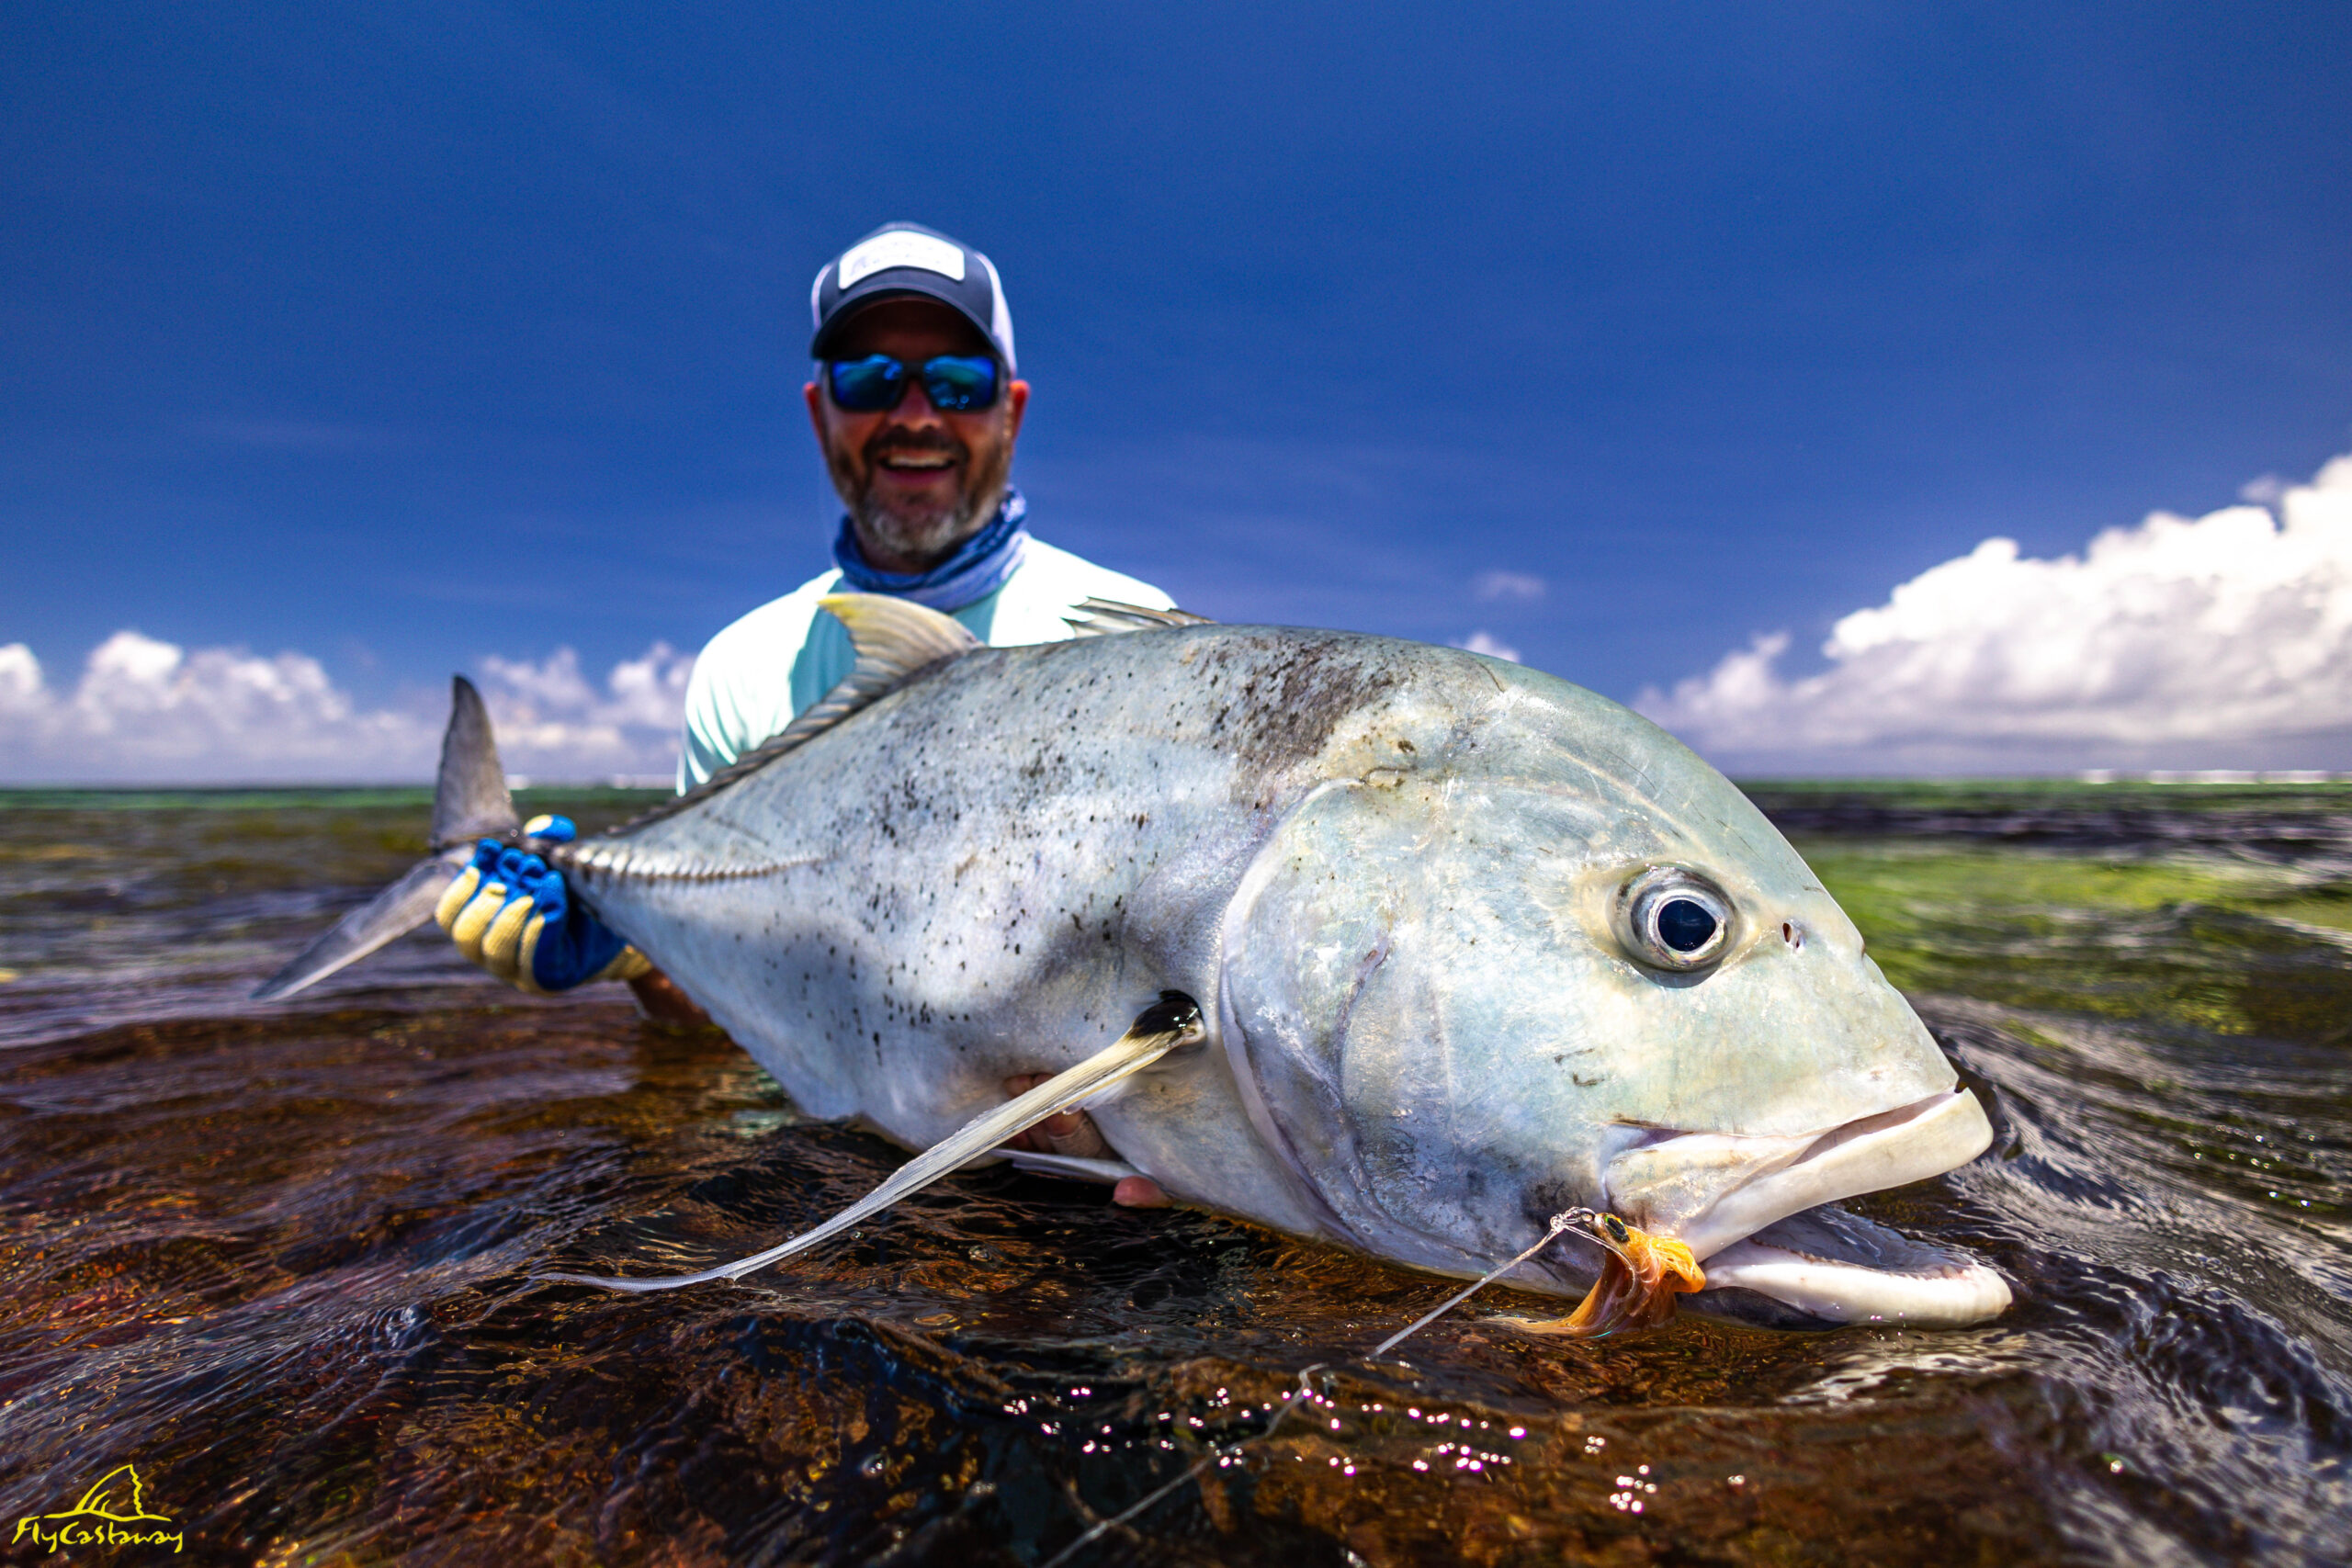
{"x": 955, "y": 383}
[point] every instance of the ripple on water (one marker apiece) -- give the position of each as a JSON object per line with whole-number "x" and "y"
{"x": 280, "y": 1257}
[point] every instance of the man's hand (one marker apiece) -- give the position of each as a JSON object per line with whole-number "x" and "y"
{"x": 510, "y": 913}
{"x": 1073, "y": 1132}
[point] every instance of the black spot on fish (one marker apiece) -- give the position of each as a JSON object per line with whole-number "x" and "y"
{"x": 1296, "y": 690}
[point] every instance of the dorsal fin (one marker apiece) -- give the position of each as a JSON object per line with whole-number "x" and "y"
{"x": 895, "y": 640}
{"x": 1105, "y": 617}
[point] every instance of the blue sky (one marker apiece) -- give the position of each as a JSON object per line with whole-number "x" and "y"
{"x": 411, "y": 336}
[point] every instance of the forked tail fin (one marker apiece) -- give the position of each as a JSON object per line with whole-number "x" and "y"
{"x": 469, "y": 799}
{"x": 469, "y": 802}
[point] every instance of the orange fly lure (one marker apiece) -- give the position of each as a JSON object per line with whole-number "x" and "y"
{"x": 1639, "y": 1279}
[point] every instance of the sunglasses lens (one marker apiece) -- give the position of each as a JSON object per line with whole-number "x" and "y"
{"x": 955, "y": 384}
{"x": 867, "y": 385}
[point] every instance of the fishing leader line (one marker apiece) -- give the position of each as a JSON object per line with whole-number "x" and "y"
{"x": 1568, "y": 1221}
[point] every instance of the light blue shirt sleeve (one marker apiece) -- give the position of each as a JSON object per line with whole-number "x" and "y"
{"x": 765, "y": 668}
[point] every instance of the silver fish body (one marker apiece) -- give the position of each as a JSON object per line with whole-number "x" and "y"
{"x": 1398, "y": 877}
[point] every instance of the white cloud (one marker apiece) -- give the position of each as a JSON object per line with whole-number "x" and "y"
{"x": 151, "y": 711}
{"x": 20, "y": 683}
{"x": 145, "y": 708}
{"x": 2221, "y": 640}
{"x": 1492, "y": 647}
{"x": 1491, "y": 585}
{"x": 551, "y": 722}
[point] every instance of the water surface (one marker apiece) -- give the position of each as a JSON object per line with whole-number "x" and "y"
{"x": 277, "y": 1258}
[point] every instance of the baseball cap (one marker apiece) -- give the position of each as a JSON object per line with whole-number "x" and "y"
{"x": 901, "y": 259}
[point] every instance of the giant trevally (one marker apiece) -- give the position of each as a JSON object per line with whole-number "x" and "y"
{"x": 1471, "y": 946}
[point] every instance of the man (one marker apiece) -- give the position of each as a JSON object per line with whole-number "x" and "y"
{"x": 916, "y": 410}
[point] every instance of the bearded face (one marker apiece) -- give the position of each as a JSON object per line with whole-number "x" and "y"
{"x": 917, "y": 482}
{"x": 915, "y": 489}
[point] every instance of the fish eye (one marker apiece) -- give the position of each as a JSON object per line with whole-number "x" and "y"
{"x": 1685, "y": 924}
{"x": 1674, "y": 919}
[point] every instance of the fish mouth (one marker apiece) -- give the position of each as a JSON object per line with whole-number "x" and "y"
{"x": 1751, "y": 1209}
{"x": 1826, "y": 1263}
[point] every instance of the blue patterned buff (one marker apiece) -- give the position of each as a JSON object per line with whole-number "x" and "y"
{"x": 977, "y": 570}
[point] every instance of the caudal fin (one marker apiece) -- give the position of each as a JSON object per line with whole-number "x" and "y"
{"x": 469, "y": 802}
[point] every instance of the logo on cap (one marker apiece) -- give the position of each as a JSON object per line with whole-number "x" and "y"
{"x": 900, "y": 247}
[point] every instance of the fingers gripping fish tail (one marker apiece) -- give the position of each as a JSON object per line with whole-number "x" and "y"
{"x": 465, "y": 919}
{"x": 1173, "y": 1021}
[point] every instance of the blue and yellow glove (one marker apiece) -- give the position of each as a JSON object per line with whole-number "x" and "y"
{"x": 510, "y": 913}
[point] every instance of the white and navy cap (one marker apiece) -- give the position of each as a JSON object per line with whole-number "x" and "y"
{"x": 901, "y": 259}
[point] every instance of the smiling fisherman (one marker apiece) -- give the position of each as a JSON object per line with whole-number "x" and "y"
{"x": 916, "y": 410}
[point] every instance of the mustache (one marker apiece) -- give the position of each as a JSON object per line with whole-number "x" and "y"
{"x": 884, "y": 441}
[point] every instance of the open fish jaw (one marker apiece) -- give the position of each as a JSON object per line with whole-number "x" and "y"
{"x": 1838, "y": 1267}
{"x": 1752, "y": 1210}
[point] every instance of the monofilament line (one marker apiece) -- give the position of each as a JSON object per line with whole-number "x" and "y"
{"x": 1560, "y": 1223}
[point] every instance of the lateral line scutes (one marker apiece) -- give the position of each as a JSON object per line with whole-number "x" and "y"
{"x": 653, "y": 865}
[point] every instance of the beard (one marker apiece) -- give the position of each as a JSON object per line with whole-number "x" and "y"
{"x": 900, "y": 527}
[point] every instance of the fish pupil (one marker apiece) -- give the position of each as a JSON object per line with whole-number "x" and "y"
{"x": 1685, "y": 925}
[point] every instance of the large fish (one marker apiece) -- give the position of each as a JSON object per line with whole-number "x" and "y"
{"x": 1471, "y": 946}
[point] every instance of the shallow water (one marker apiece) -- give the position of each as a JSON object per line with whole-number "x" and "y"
{"x": 275, "y": 1259}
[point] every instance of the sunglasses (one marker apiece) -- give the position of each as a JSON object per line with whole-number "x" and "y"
{"x": 955, "y": 383}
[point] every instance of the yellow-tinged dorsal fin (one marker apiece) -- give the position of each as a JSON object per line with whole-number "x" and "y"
{"x": 895, "y": 639}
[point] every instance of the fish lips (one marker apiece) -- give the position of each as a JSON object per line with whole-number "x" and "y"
{"x": 1828, "y": 1266}
{"x": 1712, "y": 1189}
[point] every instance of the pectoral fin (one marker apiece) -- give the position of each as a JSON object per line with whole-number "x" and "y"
{"x": 1173, "y": 1021}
